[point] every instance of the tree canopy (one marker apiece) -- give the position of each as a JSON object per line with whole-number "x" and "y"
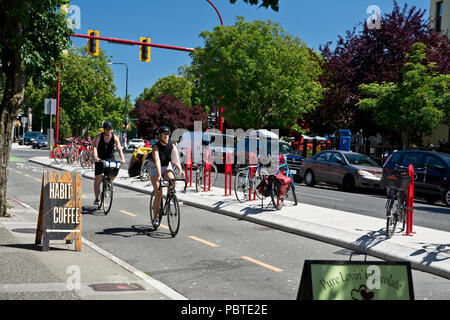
{"x": 166, "y": 111}
{"x": 372, "y": 55}
{"x": 262, "y": 76}
{"x": 265, "y": 3}
{"x": 417, "y": 104}
{"x": 173, "y": 85}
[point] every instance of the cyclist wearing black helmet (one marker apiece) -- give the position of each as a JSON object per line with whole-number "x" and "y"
{"x": 164, "y": 153}
{"x": 104, "y": 144}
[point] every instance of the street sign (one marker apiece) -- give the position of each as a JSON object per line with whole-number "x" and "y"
{"x": 59, "y": 209}
{"x": 50, "y": 106}
{"x": 356, "y": 280}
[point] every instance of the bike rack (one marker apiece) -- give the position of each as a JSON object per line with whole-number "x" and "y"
{"x": 208, "y": 160}
{"x": 410, "y": 203}
{"x": 228, "y": 172}
{"x": 189, "y": 167}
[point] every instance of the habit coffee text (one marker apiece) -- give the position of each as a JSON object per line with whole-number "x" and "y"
{"x": 59, "y": 190}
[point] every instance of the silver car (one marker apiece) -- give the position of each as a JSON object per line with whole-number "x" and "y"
{"x": 342, "y": 168}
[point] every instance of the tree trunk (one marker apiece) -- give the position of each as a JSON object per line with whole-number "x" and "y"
{"x": 14, "y": 70}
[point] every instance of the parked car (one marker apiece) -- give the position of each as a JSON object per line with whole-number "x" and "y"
{"x": 136, "y": 143}
{"x": 40, "y": 142}
{"x": 29, "y": 137}
{"x": 431, "y": 173}
{"x": 342, "y": 168}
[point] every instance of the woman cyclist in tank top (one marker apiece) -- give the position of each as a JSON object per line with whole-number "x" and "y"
{"x": 104, "y": 144}
{"x": 164, "y": 153}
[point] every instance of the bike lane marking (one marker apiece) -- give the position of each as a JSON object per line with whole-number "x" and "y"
{"x": 128, "y": 213}
{"x": 203, "y": 241}
{"x": 262, "y": 264}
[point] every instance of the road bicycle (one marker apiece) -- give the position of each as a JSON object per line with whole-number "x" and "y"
{"x": 110, "y": 169}
{"x": 169, "y": 208}
{"x": 245, "y": 183}
{"x": 396, "y": 204}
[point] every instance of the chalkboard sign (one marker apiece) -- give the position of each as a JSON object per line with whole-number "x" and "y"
{"x": 355, "y": 280}
{"x": 59, "y": 209}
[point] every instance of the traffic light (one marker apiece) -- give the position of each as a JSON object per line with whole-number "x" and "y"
{"x": 145, "y": 50}
{"x": 93, "y": 43}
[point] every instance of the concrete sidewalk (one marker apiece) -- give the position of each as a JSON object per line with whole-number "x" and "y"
{"x": 427, "y": 250}
{"x": 62, "y": 273}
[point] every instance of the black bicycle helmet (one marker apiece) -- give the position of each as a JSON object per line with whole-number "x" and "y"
{"x": 163, "y": 129}
{"x": 107, "y": 125}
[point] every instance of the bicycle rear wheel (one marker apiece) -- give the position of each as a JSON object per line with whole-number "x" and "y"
{"x": 391, "y": 218}
{"x": 276, "y": 200}
{"x": 173, "y": 215}
{"x": 85, "y": 159}
{"x": 107, "y": 195}
{"x": 145, "y": 170}
{"x": 152, "y": 197}
{"x": 241, "y": 186}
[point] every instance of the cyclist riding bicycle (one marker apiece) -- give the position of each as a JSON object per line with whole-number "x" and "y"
{"x": 164, "y": 154}
{"x": 104, "y": 144}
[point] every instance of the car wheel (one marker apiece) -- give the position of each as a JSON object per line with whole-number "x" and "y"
{"x": 349, "y": 183}
{"x": 309, "y": 178}
{"x": 446, "y": 197}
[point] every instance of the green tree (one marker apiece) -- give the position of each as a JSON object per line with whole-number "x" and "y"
{"x": 261, "y": 75}
{"x": 33, "y": 34}
{"x": 416, "y": 105}
{"x": 265, "y": 3}
{"x": 173, "y": 85}
{"x": 87, "y": 96}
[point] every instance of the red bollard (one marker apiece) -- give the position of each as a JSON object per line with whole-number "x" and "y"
{"x": 253, "y": 161}
{"x": 410, "y": 203}
{"x": 228, "y": 172}
{"x": 208, "y": 160}
{"x": 189, "y": 167}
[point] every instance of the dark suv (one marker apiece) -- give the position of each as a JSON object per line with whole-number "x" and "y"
{"x": 431, "y": 170}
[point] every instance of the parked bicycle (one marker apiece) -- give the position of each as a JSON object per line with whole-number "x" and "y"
{"x": 396, "y": 204}
{"x": 110, "y": 168}
{"x": 245, "y": 182}
{"x": 290, "y": 194}
{"x": 169, "y": 208}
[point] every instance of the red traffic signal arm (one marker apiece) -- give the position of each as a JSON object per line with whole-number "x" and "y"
{"x": 133, "y": 43}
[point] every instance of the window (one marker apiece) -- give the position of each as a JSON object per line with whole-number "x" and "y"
{"x": 360, "y": 160}
{"x": 431, "y": 162}
{"x": 324, "y": 156}
{"x": 438, "y": 17}
{"x": 413, "y": 158}
{"x": 336, "y": 156}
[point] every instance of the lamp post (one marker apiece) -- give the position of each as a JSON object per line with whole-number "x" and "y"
{"x": 220, "y": 108}
{"x": 126, "y": 103}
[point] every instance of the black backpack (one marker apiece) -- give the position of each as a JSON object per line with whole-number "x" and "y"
{"x": 265, "y": 186}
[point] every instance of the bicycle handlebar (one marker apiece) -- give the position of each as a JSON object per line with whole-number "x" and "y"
{"x": 162, "y": 184}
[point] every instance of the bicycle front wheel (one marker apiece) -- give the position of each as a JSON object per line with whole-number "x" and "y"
{"x": 290, "y": 194}
{"x": 199, "y": 179}
{"x": 173, "y": 215}
{"x": 276, "y": 200}
{"x": 241, "y": 186}
{"x": 85, "y": 159}
{"x": 107, "y": 196}
{"x": 391, "y": 218}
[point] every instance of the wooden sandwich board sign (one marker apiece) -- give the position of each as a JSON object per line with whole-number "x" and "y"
{"x": 59, "y": 209}
{"x": 355, "y": 280}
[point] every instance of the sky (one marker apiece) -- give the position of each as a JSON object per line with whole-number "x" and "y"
{"x": 180, "y": 22}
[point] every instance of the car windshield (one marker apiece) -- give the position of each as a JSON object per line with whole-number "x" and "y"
{"x": 360, "y": 160}
{"x": 446, "y": 158}
{"x": 42, "y": 137}
{"x": 285, "y": 148}
{"x": 29, "y": 135}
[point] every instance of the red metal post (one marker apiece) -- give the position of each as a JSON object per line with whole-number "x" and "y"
{"x": 189, "y": 167}
{"x": 133, "y": 43}
{"x": 253, "y": 160}
{"x": 228, "y": 172}
{"x": 57, "y": 109}
{"x": 208, "y": 160}
{"x": 410, "y": 203}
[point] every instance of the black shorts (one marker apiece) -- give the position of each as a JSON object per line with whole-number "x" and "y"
{"x": 99, "y": 169}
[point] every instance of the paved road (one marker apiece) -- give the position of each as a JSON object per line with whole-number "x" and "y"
{"x": 214, "y": 257}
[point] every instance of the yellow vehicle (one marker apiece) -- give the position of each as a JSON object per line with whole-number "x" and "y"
{"x": 139, "y": 155}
